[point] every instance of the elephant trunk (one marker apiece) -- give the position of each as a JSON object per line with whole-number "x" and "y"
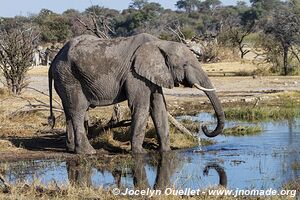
{"x": 211, "y": 94}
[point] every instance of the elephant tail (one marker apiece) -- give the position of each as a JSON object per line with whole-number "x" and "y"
{"x": 51, "y": 118}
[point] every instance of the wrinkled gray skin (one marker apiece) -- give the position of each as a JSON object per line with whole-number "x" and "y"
{"x": 90, "y": 72}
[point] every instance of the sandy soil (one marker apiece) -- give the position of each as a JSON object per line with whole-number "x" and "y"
{"x": 224, "y": 84}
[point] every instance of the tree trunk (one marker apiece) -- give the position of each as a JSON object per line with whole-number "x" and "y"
{"x": 179, "y": 126}
{"x": 285, "y": 59}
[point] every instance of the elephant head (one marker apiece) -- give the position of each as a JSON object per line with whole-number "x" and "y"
{"x": 168, "y": 64}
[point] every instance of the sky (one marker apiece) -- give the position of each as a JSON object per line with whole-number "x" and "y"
{"x": 11, "y": 8}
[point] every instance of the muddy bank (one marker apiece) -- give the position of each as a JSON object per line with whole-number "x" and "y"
{"x": 39, "y": 141}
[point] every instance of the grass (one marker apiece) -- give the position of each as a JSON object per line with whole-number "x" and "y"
{"x": 293, "y": 185}
{"x": 193, "y": 126}
{"x": 38, "y": 71}
{"x": 52, "y": 191}
{"x": 242, "y": 130}
{"x": 4, "y": 93}
{"x": 286, "y": 106}
{"x": 207, "y": 142}
{"x": 230, "y": 68}
{"x": 262, "y": 113}
{"x": 6, "y": 145}
{"x": 295, "y": 166}
{"x": 118, "y": 139}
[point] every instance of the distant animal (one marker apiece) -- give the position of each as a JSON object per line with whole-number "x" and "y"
{"x": 90, "y": 72}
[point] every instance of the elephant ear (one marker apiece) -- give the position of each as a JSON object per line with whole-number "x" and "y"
{"x": 150, "y": 63}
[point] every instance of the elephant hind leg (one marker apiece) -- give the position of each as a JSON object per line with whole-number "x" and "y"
{"x": 159, "y": 116}
{"x": 86, "y": 122}
{"x": 82, "y": 145}
{"x": 70, "y": 140}
{"x": 70, "y": 143}
{"x": 77, "y": 108}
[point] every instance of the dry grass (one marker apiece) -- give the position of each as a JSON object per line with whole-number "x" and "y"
{"x": 229, "y": 68}
{"x": 52, "y": 191}
{"x": 19, "y": 117}
{"x": 118, "y": 140}
{"x": 4, "y": 93}
{"x": 293, "y": 185}
{"x": 19, "y": 120}
{"x": 6, "y": 145}
{"x": 38, "y": 71}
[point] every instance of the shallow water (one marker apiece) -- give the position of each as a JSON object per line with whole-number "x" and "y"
{"x": 267, "y": 160}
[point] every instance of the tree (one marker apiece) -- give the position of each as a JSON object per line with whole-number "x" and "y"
{"x": 208, "y": 5}
{"x": 237, "y": 27}
{"x": 16, "y": 52}
{"x": 187, "y": 5}
{"x": 54, "y": 27}
{"x": 263, "y": 7}
{"x": 138, "y": 4}
{"x": 284, "y": 27}
{"x": 135, "y": 21}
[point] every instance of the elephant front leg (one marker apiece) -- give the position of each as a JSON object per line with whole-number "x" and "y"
{"x": 138, "y": 124}
{"x": 160, "y": 119}
{"x": 138, "y": 95}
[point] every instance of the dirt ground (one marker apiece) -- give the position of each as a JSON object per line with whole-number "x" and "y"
{"x": 35, "y": 140}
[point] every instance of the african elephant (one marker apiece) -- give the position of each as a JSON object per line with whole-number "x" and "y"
{"x": 90, "y": 72}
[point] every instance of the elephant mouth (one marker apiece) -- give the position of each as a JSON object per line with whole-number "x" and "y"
{"x": 186, "y": 83}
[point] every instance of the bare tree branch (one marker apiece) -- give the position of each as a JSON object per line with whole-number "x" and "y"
{"x": 45, "y": 95}
{"x": 16, "y": 51}
{"x": 5, "y": 183}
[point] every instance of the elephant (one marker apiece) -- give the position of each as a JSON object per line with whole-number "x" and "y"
{"x": 166, "y": 164}
{"x": 89, "y": 72}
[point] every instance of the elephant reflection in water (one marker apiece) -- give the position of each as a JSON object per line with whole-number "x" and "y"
{"x": 167, "y": 166}
{"x": 79, "y": 172}
{"x": 167, "y": 163}
{"x": 220, "y": 170}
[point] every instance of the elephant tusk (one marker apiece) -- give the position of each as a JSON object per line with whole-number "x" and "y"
{"x": 203, "y": 88}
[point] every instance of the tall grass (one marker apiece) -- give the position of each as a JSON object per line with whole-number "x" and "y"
{"x": 261, "y": 113}
{"x": 37, "y": 191}
{"x": 286, "y": 107}
{"x": 242, "y": 130}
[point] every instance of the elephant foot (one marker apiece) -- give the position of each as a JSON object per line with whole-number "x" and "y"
{"x": 85, "y": 149}
{"x": 138, "y": 151}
